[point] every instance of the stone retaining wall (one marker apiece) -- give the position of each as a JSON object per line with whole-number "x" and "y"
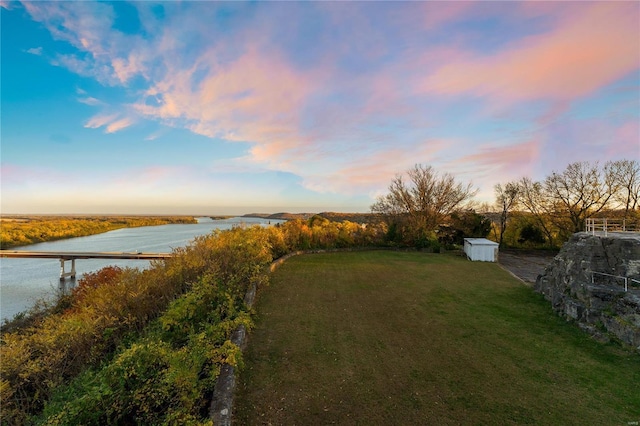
{"x": 598, "y": 303}
{"x": 221, "y": 409}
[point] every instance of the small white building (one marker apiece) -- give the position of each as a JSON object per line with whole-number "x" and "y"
{"x": 481, "y": 249}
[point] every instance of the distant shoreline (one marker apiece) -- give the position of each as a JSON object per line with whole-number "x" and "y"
{"x": 332, "y": 216}
{"x": 24, "y": 230}
{"x": 280, "y": 216}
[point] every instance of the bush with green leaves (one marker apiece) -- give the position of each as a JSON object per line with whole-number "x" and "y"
{"x": 166, "y": 376}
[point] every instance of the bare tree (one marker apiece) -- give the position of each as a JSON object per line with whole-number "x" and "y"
{"x": 506, "y": 200}
{"x": 425, "y": 199}
{"x": 626, "y": 176}
{"x": 534, "y": 199}
{"x": 580, "y": 191}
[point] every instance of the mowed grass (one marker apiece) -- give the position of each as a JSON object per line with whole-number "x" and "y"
{"x": 381, "y": 337}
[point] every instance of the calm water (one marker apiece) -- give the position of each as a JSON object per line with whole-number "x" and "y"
{"x": 23, "y": 281}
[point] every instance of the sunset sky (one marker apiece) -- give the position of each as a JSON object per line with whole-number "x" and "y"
{"x": 232, "y": 107}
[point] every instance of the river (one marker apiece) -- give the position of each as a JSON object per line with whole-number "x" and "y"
{"x": 24, "y": 281}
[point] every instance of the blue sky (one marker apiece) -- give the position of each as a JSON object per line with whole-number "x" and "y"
{"x": 235, "y": 107}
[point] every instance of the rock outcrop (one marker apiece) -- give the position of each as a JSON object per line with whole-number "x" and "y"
{"x": 586, "y": 282}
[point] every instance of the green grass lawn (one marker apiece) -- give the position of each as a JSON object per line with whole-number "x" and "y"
{"x": 387, "y": 337}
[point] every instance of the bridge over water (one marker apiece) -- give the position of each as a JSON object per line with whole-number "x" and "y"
{"x": 73, "y": 255}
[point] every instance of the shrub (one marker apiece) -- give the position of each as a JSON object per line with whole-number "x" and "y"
{"x": 165, "y": 377}
{"x": 531, "y": 234}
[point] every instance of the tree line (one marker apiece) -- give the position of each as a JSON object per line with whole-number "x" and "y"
{"x": 424, "y": 207}
{"x": 22, "y": 231}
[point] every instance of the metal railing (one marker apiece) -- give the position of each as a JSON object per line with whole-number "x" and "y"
{"x": 606, "y": 225}
{"x": 617, "y": 277}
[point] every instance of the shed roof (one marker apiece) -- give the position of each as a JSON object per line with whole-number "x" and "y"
{"x": 481, "y": 242}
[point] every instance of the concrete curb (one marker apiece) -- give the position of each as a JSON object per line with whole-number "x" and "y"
{"x": 526, "y": 283}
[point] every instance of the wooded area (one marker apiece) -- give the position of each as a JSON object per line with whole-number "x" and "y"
{"x": 428, "y": 208}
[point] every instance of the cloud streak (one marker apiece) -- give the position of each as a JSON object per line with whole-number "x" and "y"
{"x": 118, "y": 125}
{"x": 35, "y": 51}
{"x": 590, "y": 48}
{"x": 111, "y": 122}
{"x": 491, "y": 159}
{"x": 89, "y": 100}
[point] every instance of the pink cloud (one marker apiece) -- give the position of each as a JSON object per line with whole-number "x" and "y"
{"x": 489, "y": 160}
{"x": 153, "y": 178}
{"x": 590, "y": 139}
{"x": 433, "y": 16}
{"x": 155, "y": 135}
{"x": 373, "y": 171}
{"x": 100, "y": 120}
{"x": 11, "y": 172}
{"x": 119, "y": 125}
{"x": 258, "y": 98}
{"x": 111, "y": 122}
{"x": 81, "y": 24}
{"x": 627, "y": 141}
{"x": 89, "y": 100}
{"x": 113, "y": 57}
{"x": 17, "y": 177}
{"x": 590, "y": 48}
{"x": 125, "y": 69}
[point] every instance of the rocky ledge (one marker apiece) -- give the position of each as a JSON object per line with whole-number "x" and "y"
{"x": 585, "y": 282}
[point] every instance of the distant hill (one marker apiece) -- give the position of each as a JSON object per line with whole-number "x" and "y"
{"x": 281, "y": 216}
{"x": 332, "y": 216}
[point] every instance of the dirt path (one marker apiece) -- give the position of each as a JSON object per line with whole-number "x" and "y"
{"x": 525, "y": 265}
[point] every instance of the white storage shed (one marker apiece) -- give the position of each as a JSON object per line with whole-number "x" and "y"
{"x": 481, "y": 249}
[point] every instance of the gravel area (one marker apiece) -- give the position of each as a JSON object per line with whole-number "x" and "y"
{"x": 526, "y": 265}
